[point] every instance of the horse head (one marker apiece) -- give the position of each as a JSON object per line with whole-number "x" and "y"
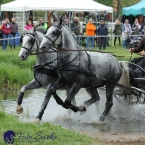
{"x": 58, "y": 35}
{"x": 52, "y": 36}
{"x": 30, "y": 43}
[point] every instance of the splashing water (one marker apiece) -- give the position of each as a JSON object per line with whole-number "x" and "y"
{"x": 122, "y": 117}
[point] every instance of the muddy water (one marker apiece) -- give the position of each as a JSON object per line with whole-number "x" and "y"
{"x": 123, "y": 118}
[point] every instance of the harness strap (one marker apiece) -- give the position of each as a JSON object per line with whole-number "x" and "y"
{"x": 89, "y": 61}
{"x": 50, "y": 39}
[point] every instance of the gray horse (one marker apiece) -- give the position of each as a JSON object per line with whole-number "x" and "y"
{"x": 43, "y": 78}
{"x": 78, "y": 69}
{"x": 31, "y": 42}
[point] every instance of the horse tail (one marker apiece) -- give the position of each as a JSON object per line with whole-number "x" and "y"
{"x": 125, "y": 79}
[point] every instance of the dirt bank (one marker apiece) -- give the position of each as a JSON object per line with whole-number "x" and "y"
{"x": 118, "y": 139}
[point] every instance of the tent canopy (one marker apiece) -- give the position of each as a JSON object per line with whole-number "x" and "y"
{"x": 137, "y": 9}
{"x": 59, "y": 5}
{"x": 17, "y": 5}
{"x": 66, "y": 5}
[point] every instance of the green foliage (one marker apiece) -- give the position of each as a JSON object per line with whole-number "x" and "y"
{"x": 121, "y": 4}
{"x": 5, "y": 1}
{"x": 105, "y": 2}
{"x": 64, "y": 136}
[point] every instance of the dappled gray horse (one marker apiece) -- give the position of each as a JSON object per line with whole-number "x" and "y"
{"x": 78, "y": 69}
{"x": 31, "y": 41}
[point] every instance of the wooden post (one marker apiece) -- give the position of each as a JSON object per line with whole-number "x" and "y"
{"x": 7, "y": 15}
{"x": 49, "y": 18}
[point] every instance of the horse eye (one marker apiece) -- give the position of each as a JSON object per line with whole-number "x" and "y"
{"x": 54, "y": 33}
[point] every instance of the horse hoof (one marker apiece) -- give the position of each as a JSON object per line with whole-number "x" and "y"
{"x": 82, "y": 108}
{"x": 102, "y": 118}
{"x": 36, "y": 121}
{"x": 19, "y": 109}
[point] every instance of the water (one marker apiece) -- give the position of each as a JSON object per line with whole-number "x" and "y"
{"x": 123, "y": 118}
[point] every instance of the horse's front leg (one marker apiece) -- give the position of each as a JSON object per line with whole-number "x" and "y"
{"x": 32, "y": 85}
{"x": 73, "y": 91}
{"x": 44, "y": 104}
{"x": 109, "y": 100}
{"x": 59, "y": 84}
{"x": 73, "y": 101}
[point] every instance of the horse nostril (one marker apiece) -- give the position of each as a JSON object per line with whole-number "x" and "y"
{"x": 21, "y": 57}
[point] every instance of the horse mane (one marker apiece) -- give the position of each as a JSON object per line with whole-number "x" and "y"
{"x": 72, "y": 33}
{"x": 42, "y": 30}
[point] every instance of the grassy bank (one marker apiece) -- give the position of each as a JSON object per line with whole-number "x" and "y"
{"x": 28, "y": 133}
{"x": 15, "y": 73}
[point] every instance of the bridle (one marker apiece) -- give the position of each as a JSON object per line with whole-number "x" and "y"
{"x": 53, "y": 45}
{"x": 53, "y": 41}
{"x": 33, "y": 42}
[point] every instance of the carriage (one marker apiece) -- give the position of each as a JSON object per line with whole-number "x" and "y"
{"x": 137, "y": 84}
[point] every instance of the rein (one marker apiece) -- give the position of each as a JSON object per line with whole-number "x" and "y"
{"x": 85, "y": 51}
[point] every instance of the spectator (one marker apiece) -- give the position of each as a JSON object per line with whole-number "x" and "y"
{"x": 126, "y": 30}
{"x": 76, "y": 28}
{"x": 136, "y": 26}
{"x": 102, "y": 31}
{"x": 90, "y": 33}
{"x": 6, "y": 30}
{"x": 66, "y": 23}
{"x": 28, "y": 25}
{"x": 117, "y": 31}
{"x": 143, "y": 26}
{"x": 14, "y": 31}
{"x": 42, "y": 24}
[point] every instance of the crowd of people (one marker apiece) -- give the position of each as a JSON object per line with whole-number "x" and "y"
{"x": 100, "y": 33}
{"x": 93, "y": 34}
{"x": 10, "y": 29}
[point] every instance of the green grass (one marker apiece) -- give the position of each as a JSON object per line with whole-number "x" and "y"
{"x": 63, "y": 136}
{"x": 13, "y": 72}
{"x": 120, "y": 53}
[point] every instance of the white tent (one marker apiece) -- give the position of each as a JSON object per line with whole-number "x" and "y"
{"x": 17, "y": 6}
{"x": 59, "y": 5}
{"x": 55, "y": 5}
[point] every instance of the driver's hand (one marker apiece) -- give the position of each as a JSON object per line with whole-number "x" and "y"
{"x": 131, "y": 49}
{"x": 142, "y": 53}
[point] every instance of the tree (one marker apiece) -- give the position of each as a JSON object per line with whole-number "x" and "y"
{"x": 118, "y": 5}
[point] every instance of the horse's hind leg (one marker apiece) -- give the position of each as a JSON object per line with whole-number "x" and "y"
{"x": 94, "y": 96}
{"x": 109, "y": 100}
{"x": 32, "y": 85}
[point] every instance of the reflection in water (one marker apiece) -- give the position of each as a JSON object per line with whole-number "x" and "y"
{"x": 122, "y": 117}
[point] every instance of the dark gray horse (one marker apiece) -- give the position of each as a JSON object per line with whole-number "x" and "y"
{"x": 78, "y": 69}
{"x": 31, "y": 41}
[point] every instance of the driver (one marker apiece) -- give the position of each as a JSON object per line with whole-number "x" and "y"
{"x": 140, "y": 61}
